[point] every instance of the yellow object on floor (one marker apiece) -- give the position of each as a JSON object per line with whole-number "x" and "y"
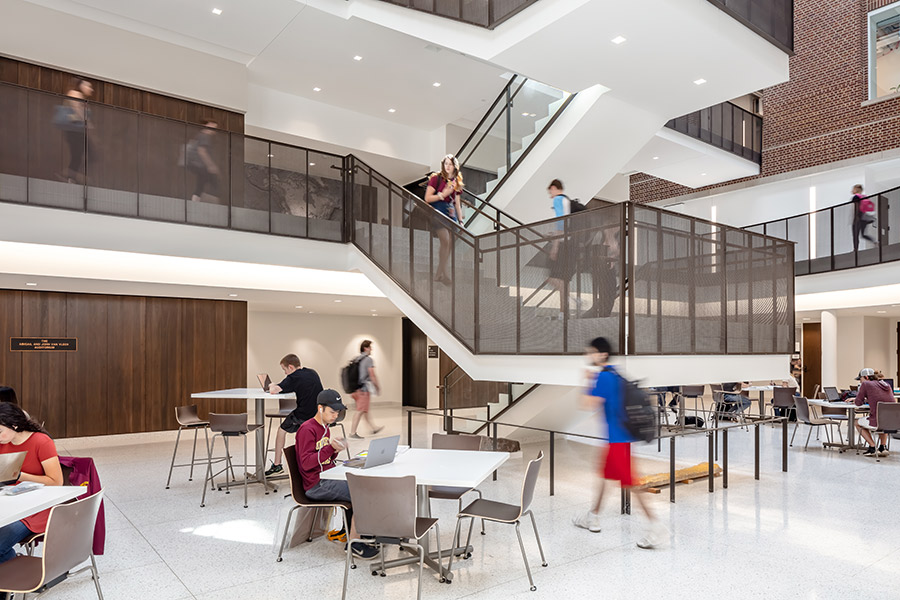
{"x": 688, "y": 474}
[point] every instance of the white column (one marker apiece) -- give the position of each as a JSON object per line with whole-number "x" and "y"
{"x": 829, "y": 349}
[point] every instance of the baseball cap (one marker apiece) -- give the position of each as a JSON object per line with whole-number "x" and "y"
{"x": 867, "y": 372}
{"x": 331, "y": 399}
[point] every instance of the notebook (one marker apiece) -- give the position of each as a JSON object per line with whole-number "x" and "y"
{"x": 381, "y": 452}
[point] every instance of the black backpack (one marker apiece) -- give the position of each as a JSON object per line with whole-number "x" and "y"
{"x": 640, "y": 414}
{"x": 350, "y": 376}
{"x": 575, "y": 205}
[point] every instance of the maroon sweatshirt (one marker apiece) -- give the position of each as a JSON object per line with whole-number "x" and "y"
{"x": 874, "y": 392}
{"x": 315, "y": 454}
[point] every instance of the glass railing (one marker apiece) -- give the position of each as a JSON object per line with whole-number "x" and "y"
{"x": 827, "y": 239}
{"x": 772, "y": 19}
{"x": 504, "y": 135}
{"x": 484, "y": 13}
{"x": 726, "y": 126}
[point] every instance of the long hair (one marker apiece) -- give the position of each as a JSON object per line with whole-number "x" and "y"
{"x": 449, "y": 177}
{"x": 8, "y": 394}
{"x": 12, "y": 416}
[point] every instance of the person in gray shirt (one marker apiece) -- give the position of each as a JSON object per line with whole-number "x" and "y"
{"x": 368, "y": 383}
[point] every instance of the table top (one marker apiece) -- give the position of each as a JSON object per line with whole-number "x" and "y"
{"x": 15, "y": 508}
{"x": 456, "y": 468}
{"x": 759, "y": 388}
{"x": 844, "y": 405}
{"x": 243, "y": 394}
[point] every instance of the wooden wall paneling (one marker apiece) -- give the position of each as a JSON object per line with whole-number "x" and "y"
{"x": 231, "y": 348}
{"x": 10, "y": 326}
{"x": 164, "y": 364}
{"x": 163, "y": 106}
{"x": 9, "y": 70}
{"x": 200, "y": 353}
{"x": 125, "y": 371}
{"x": 87, "y": 402}
{"x": 44, "y": 384}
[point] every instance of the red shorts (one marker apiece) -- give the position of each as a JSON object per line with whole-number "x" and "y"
{"x": 615, "y": 463}
{"x": 361, "y": 397}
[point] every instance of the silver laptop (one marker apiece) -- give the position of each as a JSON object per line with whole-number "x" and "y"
{"x": 11, "y": 466}
{"x": 381, "y": 452}
{"x": 264, "y": 381}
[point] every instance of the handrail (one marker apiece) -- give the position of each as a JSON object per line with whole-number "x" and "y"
{"x": 722, "y": 137}
{"x": 823, "y": 209}
{"x": 487, "y": 113}
{"x": 480, "y": 14}
{"x": 487, "y": 130}
{"x": 512, "y": 403}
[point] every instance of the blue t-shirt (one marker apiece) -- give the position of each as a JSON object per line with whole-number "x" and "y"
{"x": 608, "y": 386}
{"x": 561, "y": 207}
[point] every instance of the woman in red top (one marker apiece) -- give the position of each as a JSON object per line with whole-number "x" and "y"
{"x": 18, "y": 433}
{"x": 443, "y": 194}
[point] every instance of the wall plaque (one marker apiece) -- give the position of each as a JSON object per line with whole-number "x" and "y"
{"x": 37, "y": 344}
{"x": 432, "y": 352}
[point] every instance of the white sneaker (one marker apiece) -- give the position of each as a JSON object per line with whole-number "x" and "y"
{"x": 656, "y": 535}
{"x": 588, "y": 520}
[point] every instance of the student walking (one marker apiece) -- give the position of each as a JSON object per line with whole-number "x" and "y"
{"x": 443, "y": 194}
{"x": 368, "y": 383}
{"x": 615, "y": 462}
{"x": 862, "y": 216}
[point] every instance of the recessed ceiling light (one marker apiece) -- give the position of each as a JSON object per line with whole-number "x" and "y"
{"x": 317, "y": 89}
{"x": 392, "y": 110}
{"x": 374, "y": 309}
{"x": 31, "y": 284}
{"x": 271, "y": 155}
{"x": 881, "y": 312}
{"x": 806, "y": 318}
{"x": 702, "y": 174}
{"x": 532, "y": 115}
{"x": 618, "y": 39}
{"x": 232, "y": 295}
{"x": 436, "y": 84}
{"x": 357, "y": 57}
{"x": 298, "y": 307}
{"x": 311, "y": 312}
{"x": 217, "y": 11}
{"x": 312, "y": 164}
{"x": 524, "y": 114}
{"x": 374, "y": 315}
{"x": 655, "y": 158}
{"x": 338, "y": 300}
{"x": 700, "y": 81}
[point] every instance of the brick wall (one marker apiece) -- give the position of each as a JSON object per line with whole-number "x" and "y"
{"x": 816, "y": 117}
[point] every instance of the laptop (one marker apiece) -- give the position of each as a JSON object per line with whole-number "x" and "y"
{"x": 264, "y": 381}
{"x": 11, "y": 466}
{"x": 890, "y": 382}
{"x": 381, "y": 452}
{"x": 832, "y": 394}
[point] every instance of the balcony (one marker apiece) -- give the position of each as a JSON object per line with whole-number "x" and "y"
{"x": 484, "y": 13}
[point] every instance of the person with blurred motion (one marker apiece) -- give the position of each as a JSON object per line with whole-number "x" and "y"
{"x": 443, "y": 194}
{"x": 368, "y": 384}
{"x": 199, "y": 161}
{"x": 607, "y": 394}
{"x": 73, "y": 117}
{"x": 862, "y": 218}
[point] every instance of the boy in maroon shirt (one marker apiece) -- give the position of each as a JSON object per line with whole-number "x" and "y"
{"x": 874, "y": 392}
{"x": 316, "y": 451}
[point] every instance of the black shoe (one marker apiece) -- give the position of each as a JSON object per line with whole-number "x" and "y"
{"x": 274, "y": 470}
{"x": 364, "y": 551}
{"x": 870, "y": 451}
{"x": 882, "y": 450}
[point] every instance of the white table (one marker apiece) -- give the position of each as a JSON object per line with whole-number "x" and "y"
{"x": 762, "y": 389}
{"x": 16, "y": 508}
{"x": 851, "y": 409}
{"x": 259, "y": 411}
{"x": 456, "y": 468}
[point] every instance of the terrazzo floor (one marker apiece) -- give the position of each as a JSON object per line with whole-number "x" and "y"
{"x": 828, "y": 528}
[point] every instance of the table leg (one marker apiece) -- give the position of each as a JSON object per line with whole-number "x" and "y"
{"x": 851, "y": 428}
{"x": 762, "y": 404}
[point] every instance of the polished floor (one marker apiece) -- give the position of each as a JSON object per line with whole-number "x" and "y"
{"x": 830, "y": 528}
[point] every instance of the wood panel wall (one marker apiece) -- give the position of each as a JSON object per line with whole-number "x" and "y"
{"x": 37, "y": 77}
{"x": 137, "y": 359}
{"x": 465, "y": 392}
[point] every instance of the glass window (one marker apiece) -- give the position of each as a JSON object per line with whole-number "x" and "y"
{"x": 884, "y": 51}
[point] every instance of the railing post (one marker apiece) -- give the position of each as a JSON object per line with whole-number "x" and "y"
{"x": 672, "y": 469}
{"x": 631, "y": 258}
{"x": 476, "y": 278}
{"x": 623, "y": 242}
{"x": 552, "y": 457}
{"x": 508, "y": 128}
{"x": 409, "y": 428}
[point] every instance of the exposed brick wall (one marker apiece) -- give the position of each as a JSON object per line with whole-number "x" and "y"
{"x": 816, "y": 117}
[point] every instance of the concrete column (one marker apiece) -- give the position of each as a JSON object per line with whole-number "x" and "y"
{"x": 829, "y": 349}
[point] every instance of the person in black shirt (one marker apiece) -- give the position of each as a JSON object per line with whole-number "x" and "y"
{"x": 304, "y": 382}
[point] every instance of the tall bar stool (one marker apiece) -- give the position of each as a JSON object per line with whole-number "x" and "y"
{"x": 285, "y": 407}
{"x": 188, "y": 418}
{"x": 229, "y": 426}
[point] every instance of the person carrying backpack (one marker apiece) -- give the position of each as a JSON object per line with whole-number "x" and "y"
{"x": 863, "y": 211}
{"x": 609, "y": 393}
{"x": 366, "y": 384}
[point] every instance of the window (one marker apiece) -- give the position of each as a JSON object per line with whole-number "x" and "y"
{"x": 884, "y": 51}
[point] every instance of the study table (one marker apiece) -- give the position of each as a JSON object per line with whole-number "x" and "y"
{"x": 16, "y": 508}
{"x": 259, "y": 411}
{"x": 453, "y": 468}
{"x": 851, "y": 409}
{"x": 762, "y": 389}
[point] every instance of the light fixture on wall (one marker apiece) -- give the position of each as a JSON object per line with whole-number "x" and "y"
{"x": 436, "y": 84}
{"x": 392, "y": 110}
{"x": 655, "y": 158}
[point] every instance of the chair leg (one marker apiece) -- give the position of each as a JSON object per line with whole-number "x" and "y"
{"x": 209, "y": 473}
{"x": 421, "y": 568}
{"x": 469, "y": 537}
{"x": 455, "y": 542}
{"x": 269, "y": 435}
{"x": 437, "y": 539}
{"x": 312, "y": 524}
{"x": 246, "y": 458}
{"x": 174, "y": 452}
{"x": 525, "y": 558}
{"x": 347, "y": 564}
{"x": 228, "y": 464}
{"x": 482, "y": 521}
{"x": 538, "y": 538}
{"x": 208, "y": 451}
{"x": 797, "y": 426}
{"x": 95, "y": 575}
{"x": 806, "y": 447}
{"x": 287, "y": 527}
{"x": 193, "y": 455}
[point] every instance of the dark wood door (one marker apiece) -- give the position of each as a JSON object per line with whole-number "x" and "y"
{"x": 415, "y": 366}
{"x": 812, "y": 358}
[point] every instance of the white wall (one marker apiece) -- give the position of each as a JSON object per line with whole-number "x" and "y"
{"x": 325, "y": 343}
{"x": 850, "y": 343}
{"x": 865, "y": 342}
{"x": 877, "y": 350}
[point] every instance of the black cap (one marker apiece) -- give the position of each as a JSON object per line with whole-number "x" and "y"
{"x": 331, "y": 399}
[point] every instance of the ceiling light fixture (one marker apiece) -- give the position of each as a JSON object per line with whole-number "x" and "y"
{"x": 524, "y": 114}
{"x": 702, "y": 174}
{"x": 436, "y": 84}
{"x": 700, "y": 81}
{"x": 655, "y": 158}
{"x": 311, "y": 312}
{"x": 312, "y": 164}
{"x": 617, "y": 40}
{"x": 392, "y": 110}
{"x": 373, "y": 309}
{"x": 357, "y": 57}
{"x": 532, "y": 115}
{"x": 806, "y": 318}
{"x": 317, "y": 89}
{"x": 338, "y": 300}
{"x": 374, "y": 315}
{"x": 232, "y": 295}
{"x": 217, "y": 11}
{"x": 31, "y": 284}
{"x": 271, "y": 155}
{"x": 881, "y": 312}
{"x": 298, "y": 307}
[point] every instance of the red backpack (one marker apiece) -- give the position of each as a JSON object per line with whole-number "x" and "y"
{"x": 866, "y": 205}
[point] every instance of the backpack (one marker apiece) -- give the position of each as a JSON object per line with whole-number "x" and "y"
{"x": 640, "y": 418}
{"x": 866, "y": 205}
{"x": 576, "y": 206}
{"x": 350, "y": 376}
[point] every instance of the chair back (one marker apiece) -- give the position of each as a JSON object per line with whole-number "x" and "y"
{"x": 69, "y": 538}
{"x": 287, "y": 404}
{"x": 716, "y": 387}
{"x": 446, "y": 441}
{"x": 387, "y": 507}
{"x": 530, "y": 481}
{"x": 888, "y": 417}
{"x": 228, "y": 423}
{"x": 293, "y": 468}
{"x": 692, "y": 391}
{"x": 803, "y": 410}
{"x": 185, "y": 415}
{"x": 783, "y": 397}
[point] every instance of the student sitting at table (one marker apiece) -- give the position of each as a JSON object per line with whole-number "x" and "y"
{"x": 18, "y": 433}
{"x": 874, "y": 392}
{"x": 734, "y": 400}
{"x": 316, "y": 449}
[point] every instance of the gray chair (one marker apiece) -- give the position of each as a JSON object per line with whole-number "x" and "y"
{"x": 68, "y": 543}
{"x": 783, "y": 397}
{"x": 500, "y": 512}
{"x": 229, "y": 426}
{"x": 293, "y": 468}
{"x": 188, "y": 418}
{"x": 285, "y": 407}
{"x": 807, "y": 414}
{"x": 888, "y": 420}
{"x": 691, "y": 391}
{"x": 387, "y": 515}
{"x": 443, "y": 441}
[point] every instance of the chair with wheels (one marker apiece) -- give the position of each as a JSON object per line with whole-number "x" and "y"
{"x": 188, "y": 418}
{"x": 511, "y": 514}
{"x": 229, "y": 426}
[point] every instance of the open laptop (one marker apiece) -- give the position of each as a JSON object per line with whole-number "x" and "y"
{"x": 381, "y": 452}
{"x": 890, "y": 382}
{"x": 264, "y": 381}
{"x": 832, "y": 394}
{"x": 11, "y": 466}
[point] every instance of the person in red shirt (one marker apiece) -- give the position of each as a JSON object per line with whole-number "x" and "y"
{"x": 18, "y": 433}
{"x": 873, "y": 392}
